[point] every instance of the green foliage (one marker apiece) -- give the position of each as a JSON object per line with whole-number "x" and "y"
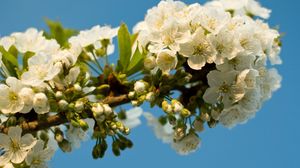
{"x": 58, "y": 32}
{"x": 124, "y": 41}
{"x": 128, "y": 63}
{"x": 10, "y": 61}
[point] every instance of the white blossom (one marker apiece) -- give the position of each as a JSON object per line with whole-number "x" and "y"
{"x": 40, "y": 69}
{"x": 199, "y": 50}
{"x": 39, "y": 155}
{"x": 32, "y": 40}
{"x": 166, "y": 60}
{"x": 7, "y": 42}
{"x": 15, "y": 147}
{"x": 223, "y": 87}
{"x": 187, "y": 145}
{"x": 15, "y": 97}
{"x": 132, "y": 119}
{"x": 40, "y": 103}
{"x": 162, "y": 132}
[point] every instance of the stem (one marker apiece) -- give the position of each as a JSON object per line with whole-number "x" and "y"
{"x": 97, "y": 63}
{"x": 94, "y": 69}
{"x": 59, "y": 119}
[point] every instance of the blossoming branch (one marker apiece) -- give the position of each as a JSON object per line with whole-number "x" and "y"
{"x": 201, "y": 64}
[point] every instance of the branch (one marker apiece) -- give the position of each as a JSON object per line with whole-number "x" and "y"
{"x": 59, "y": 119}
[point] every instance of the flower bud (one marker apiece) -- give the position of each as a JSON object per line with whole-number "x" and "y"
{"x": 83, "y": 125}
{"x": 63, "y": 104}
{"x": 97, "y": 110}
{"x": 107, "y": 109}
{"x": 65, "y": 146}
{"x": 58, "y": 135}
{"x": 177, "y": 106}
{"x": 185, "y": 112}
{"x": 77, "y": 87}
{"x": 131, "y": 95}
{"x": 135, "y": 103}
{"x": 140, "y": 87}
{"x": 150, "y": 96}
{"x": 79, "y": 106}
{"x": 166, "y": 107}
{"x": 40, "y": 103}
{"x": 198, "y": 125}
{"x": 205, "y": 117}
{"x": 179, "y": 133}
{"x": 58, "y": 94}
{"x": 149, "y": 62}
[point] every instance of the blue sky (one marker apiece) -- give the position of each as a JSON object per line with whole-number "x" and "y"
{"x": 272, "y": 139}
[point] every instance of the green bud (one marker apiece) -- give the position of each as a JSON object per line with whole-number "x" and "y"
{"x": 131, "y": 95}
{"x": 84, "y": 126}
{"x": 163, "y": 120}
{"x": 126, "y": 130}
{"x": 63, "y": 104}
{"x": 116, "y": 148}
{"x": 12, "y": 121}
{"x": 172, "y": 119}
{"x": 185, "y": 113}
{"x": 58, "y": 135}
{"x": 65, "y": 146}
{"x": 44, "y": 136}
{"x": 95, "y": 152}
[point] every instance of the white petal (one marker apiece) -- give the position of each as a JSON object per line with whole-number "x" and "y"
{"x": 15, "y": 133}
{"x": 196, "y": 62}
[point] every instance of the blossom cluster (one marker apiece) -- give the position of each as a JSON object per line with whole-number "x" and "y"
{"x": 201, "y": 64}
{"x": 229, "y": 34}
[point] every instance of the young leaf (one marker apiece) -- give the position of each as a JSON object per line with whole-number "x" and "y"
{"x": 58, "y": 32}
{"x": 10, "y": 61}
{"x": 136, "y": 63}
{"x": 124, "y": 41}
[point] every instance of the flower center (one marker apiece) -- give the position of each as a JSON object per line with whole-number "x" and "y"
{"x": 15, "y": 146}
{"x": 13, "y": 96}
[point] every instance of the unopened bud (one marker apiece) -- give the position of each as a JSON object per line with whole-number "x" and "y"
{"x": 77, "y": 87}
{"x": 185, "y": 112}
{"x": 79, "y": 106}
{"x": 65, "y": 146}
{"x": 140, "y": 87}
{"x": 150, "y": 62}
{"x": 166, "y": 107}
{"x": 131, "y": 95}
{"x": 177, "y": 106}
{"x": 150, "y": 96}
{"x": 198, "y": 125}
{"x": 58, "y": 94}
{"x": 63, "y": 104}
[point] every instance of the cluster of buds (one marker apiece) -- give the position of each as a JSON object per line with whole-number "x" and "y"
{"x": 62, "y": 142}
{"x": 108, "y": 125}
{"x": 142, "y": 91}
{"x": 175, "y": 108}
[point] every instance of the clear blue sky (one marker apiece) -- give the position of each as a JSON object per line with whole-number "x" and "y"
{"x": 272, "y": 139}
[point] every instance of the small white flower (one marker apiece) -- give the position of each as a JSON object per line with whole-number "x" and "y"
{"x": 15, "y": 147}
{"x": 139, "y": 87}
{"x": 32, "y": 40}
{"x": 39, "y": 155}
{"x": 187, "y": 145}
{"x": 76, "y": 136}
{"x": 41, "y": 69}
{"x": 15, "y": 97}
{"x": 226, "y": 45}
{"x": 94, "y": 37}
{"x": 40, "y": 103}
{"x": 132, "y": 117}
{"x": 162, "y": 132}
{"x": 7, "y": 42}
{"x": 223, "y": 87}
{"x": 166, "y": 60}
{"x": 199, "y": 50}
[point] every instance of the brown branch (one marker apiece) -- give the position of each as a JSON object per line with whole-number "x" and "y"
{"x": 59, "y": 119}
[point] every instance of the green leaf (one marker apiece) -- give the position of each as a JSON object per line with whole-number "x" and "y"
{"x": 124, "y": 41}
{"x": 26, "y": 56}
{"x": 136, "y": 63}
{"x": 59, "y": 33}
{"x": 8, "y": 56}
{"x": 10, "y": 61}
